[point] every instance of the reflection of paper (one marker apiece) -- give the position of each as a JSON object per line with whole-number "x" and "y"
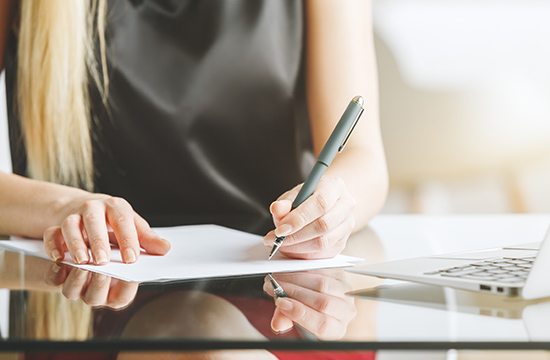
{"x": 198, "y": 251}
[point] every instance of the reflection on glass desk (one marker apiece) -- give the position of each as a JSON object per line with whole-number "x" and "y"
{"x": 49, "y": 307}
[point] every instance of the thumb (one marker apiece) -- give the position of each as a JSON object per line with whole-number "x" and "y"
{"x": 149, "y": 240}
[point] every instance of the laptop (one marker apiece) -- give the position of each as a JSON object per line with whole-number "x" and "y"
{"x": 521, "y": 270}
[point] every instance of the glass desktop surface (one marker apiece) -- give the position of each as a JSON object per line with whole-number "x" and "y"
{"x": 48, "y": 307}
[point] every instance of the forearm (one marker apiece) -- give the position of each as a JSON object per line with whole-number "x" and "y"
{"x": 28, "y": 207}
{"x": 365, "y": 175}
{"x": 340, "y": 65}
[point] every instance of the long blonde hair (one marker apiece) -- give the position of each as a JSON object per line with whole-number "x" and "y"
{"x": 56, "y": 57}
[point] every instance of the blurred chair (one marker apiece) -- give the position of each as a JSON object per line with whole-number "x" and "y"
{"x": 436, "y": 137}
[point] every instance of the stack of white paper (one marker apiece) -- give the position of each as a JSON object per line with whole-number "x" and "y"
{"x": 198, "y": 251}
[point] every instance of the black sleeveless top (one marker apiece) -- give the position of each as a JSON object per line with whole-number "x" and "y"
{"x": 207, "y": 120}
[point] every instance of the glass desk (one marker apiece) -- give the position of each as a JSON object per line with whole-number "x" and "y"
{"x": 46, "y": 307}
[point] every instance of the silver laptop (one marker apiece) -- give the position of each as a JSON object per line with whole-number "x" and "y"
{"x": 522, "y": 270}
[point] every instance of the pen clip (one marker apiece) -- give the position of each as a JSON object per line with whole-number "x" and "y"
{"x": 343, "y": 145}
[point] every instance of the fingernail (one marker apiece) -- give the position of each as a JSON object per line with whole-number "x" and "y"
{"x": 56, "y": 255}
{"x": 283, "y": 230}
{"x": 55, "y": 268}
{"x": 81, "y": 257}
{"x": 284, "y": 304}
{"x": 129, "y": 256}
{"x": 101, "y": 257}
{"x": 279, "y": 331}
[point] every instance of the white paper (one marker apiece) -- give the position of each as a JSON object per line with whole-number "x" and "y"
{"x": 198, "y": 251}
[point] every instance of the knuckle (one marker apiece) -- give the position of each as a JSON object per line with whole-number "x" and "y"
{"x": 74, "y": 243}
{"x": 301, "y": 219}
{"x": 352, "y": 223}
{"x": 125, "y": 241}
{"x": 324, "y": 327}
{"x": 324, "y": 224}
{"x": 117, "y": 202}
{"x": 352, "y": 202}
{"x": 322, "y": 203}
{"x": 88, "y": 205}
{"x": 91, "y": 216}
{"x": 49, "y": 233}
{"x": 96, "y": 241}
{"x": 323, "y": 285}
{"x": 122, "y": 219}
{"x": 301, "y": 313}
{"x": 323, "y": 242}
{"x": 71, "y": 220}
{"x": 323, "y": 304}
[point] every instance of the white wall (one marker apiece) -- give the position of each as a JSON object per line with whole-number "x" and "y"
{"x": 5, "y": 160}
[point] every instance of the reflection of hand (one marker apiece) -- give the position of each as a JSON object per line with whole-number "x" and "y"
{"x": 316, "y": 301}
{"x": 320, "y": 226}
{"x": 94, "y": 221}
{"x": 93, "y": 288}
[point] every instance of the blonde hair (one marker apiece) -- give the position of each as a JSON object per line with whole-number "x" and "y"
{"x": 51, "y": 316}
{"x": 55, "y": 55}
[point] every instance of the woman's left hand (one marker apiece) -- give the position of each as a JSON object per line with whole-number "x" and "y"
{"x": 320, "y": 226}
{"x": 94, "y": 289}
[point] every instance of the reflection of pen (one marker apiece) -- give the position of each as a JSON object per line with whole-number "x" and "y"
{"x": 281, "y": 293}
{"x": 277, "y": 289}
{"x": 335, "y": 144}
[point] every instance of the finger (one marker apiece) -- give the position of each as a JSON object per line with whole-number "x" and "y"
{"x": 75, "y": 283}
{"x": 290, "y": 194}
{"x": 325, "y": 246}
{"x": 56, "y": 274}
{"x": 323, "y": 327}
{"x": 54, "y": 243}
{"x": 279, "y": 209}
{"x": 97, "y": 290}
{"x": 149, "y": 240}
{"x": 313, "y": 281}
{"x": 122, "y": 293}
{"x": 338, "y": 305}
{"x": 121, "y": 219}
{"x": 319, "y": 230}
{"x": 280, "y": 323}
{"x": 95, "y": 225}
{"x": 341, "y": 212}
{"x": 320, "y": 202}
{"x": 72, "y": 236}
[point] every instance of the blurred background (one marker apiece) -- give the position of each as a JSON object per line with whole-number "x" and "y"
{"x": 465, "y": 104}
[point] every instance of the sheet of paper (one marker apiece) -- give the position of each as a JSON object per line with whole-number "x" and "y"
{"x": 198, "y": 251}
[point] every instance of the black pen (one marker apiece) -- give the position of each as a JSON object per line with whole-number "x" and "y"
{"x": 277, "y": 289}
{"x": 335, "y": 144}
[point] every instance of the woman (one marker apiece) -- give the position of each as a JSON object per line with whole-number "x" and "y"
{"x": 190, "y": 111}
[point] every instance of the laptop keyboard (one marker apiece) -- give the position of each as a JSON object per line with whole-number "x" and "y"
{"x": 513, "y": 270}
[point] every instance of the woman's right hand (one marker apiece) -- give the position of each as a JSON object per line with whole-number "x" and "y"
{"x": 96, "y": 222}
{"x": 316, "y": 300}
